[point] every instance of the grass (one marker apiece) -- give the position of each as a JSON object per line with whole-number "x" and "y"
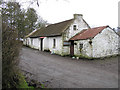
{"x": 23, "y": 83}
{"x": 42, "y": 85}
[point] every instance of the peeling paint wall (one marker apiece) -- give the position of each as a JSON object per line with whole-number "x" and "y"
{"x": 105, "y": 43}
{"x": 85, "y": 51}
{"x": 66, "y": 50}
{"x": 70, "y": 32}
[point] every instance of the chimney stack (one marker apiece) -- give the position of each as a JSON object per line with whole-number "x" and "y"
{"x": 78, "y": 16}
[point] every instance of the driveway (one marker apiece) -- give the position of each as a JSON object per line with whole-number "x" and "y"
{"x": 64, "y": 72}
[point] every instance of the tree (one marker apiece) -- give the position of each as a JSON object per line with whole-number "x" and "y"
{"x": 24, "y": 21}
{"x": 31, "y": 19}
{"x": 10, "y": 46}
{"x": 12, "y": 15}
{"x": 40, "y": 23}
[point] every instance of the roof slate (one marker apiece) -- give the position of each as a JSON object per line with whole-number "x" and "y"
{"x": 88, "y": 33}
{"x": 53, "y": 29}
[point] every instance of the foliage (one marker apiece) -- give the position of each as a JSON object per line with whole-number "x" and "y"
{"x": 40, "y": 23}
{"x": 10, "y": 53}
{"x": 16, "y": 23}
{"x": 12, "y": 15}
{"x": 25, "y": 21}
{"x": 23, "y": 83}
{"x": 30, "y": 20}
{"x": 11, "y": 76}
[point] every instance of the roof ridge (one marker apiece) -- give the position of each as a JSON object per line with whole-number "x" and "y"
{"x": 61, "y": 22}
{"x": 99, "y": 27}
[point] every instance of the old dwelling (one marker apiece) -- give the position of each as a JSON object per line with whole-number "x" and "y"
{"x": 75, "y": 37}
{"x": 55, "y": 37}
{"x": 96, "y": 42}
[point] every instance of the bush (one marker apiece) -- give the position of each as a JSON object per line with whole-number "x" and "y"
{"x": 10, "y": 52}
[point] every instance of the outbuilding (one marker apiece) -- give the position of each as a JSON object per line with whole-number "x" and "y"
{"x": 96, "y": 42}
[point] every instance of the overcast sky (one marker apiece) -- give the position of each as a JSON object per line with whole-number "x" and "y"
{"x": 95, "y": 12}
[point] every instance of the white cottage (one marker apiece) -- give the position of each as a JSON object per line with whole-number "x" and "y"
{"x": 75, "y": 37}
{"x": 55, "y": 37}
{"x": 96, "y": 42}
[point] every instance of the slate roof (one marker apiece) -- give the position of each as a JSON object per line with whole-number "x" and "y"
{"x": 88, "y": 33}
{"x": 53, "y": 29}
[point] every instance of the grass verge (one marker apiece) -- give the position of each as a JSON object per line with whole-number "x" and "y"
{"x": 23, "y": 83}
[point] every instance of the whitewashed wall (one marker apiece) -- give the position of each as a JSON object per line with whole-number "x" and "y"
{"x": 66, "y": 50}
{"x": 70, "y": 32}
{"x": 85, "y": 51}
{"x": 49, "y": 44}
{"x": 24, "y": 41}
{"x": 60, "y": 49}
{"x": 105, "y": 43}
{"x": 27, "y": 41}
{"x": 46, "y": 43}
{"x": 32, "y": 42}
{"x": 36, "y": 43}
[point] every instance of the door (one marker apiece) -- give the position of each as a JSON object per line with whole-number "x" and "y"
{"x": 41, "y": 44}
{"x": 72, "y": 48}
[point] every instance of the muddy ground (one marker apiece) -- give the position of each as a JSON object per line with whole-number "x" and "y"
{"x": 55, "y": 71}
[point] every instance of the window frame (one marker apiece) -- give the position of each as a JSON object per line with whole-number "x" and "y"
{"x": 74, "y": 27}
{"x": 66, "y": 43}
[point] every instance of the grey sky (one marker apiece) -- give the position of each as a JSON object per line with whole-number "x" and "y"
{"x": 95, "y": 12}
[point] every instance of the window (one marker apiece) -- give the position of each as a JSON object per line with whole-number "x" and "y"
{"x": 66, "y": 43}
{"x": 74, "y": 27}
{"x": 54, "y": 43}
{"x": 81, "y": 46}
{"x": 90, "y": 42}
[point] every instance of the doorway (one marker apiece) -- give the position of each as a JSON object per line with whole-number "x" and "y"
{"x": 72, "y": 48}
{"x": 41, "y": 44}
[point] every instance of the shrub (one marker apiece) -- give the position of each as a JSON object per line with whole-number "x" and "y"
{"x": 10, "y": 52}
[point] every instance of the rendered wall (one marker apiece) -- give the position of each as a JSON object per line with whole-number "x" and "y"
{"x": 105, "y": 43}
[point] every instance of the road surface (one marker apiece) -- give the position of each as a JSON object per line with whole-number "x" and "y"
{"x": 64, "y": 72}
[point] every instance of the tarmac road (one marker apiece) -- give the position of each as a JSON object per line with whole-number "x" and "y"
{"x": 64, "y": 72}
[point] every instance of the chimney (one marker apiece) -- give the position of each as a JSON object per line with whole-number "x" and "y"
{"x": 78, "y": 16}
